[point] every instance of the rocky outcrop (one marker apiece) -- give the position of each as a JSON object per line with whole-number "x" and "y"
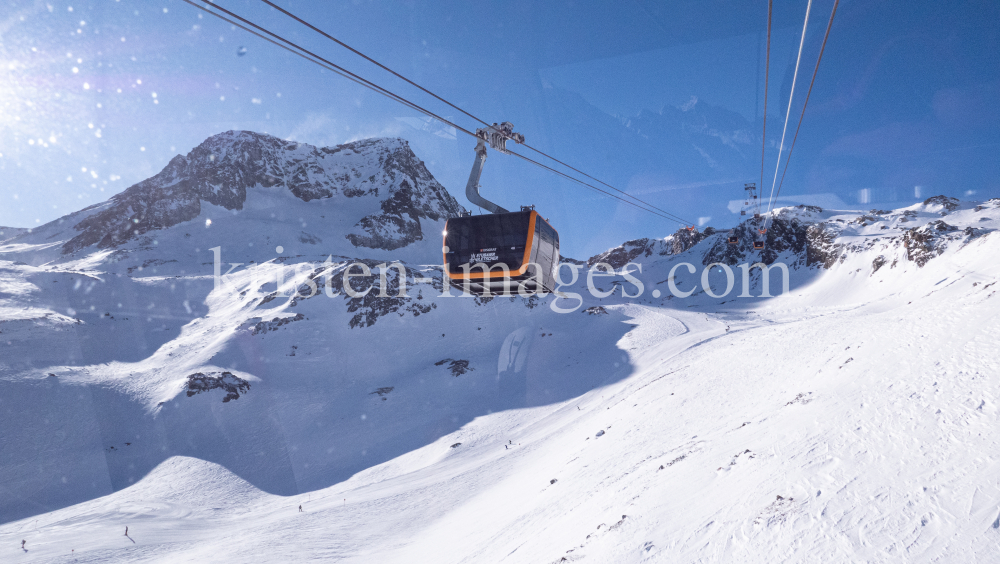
{"x": 369, "y": 308}
{"x": 946, "y": 203}
{"x": 628, "y": 252}
{"x": 822, "y": 248}
{"x": 878, "y": 263}
{"x": 785, "y": 235}
{"x": 228, "y": 382}
{"x": 926, "y": 242}
{"x": 397, "y": 226}
{"x": 457, "y": 367}
{"x": 675, "y": 244}
{"x": 684, "y": 239}
{"x": 261, "y": 327}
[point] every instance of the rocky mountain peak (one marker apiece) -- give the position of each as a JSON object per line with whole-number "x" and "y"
{"x": 222, "y": 169}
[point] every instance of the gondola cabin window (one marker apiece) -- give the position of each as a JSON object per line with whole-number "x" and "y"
{"x": 488, "y": 239}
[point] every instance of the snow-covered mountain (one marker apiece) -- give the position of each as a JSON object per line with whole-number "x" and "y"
{"x": 850, "y": 419}
{"x": 366, "y": 197}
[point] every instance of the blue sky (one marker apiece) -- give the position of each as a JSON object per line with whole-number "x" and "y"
{"x": 905, "y": 105}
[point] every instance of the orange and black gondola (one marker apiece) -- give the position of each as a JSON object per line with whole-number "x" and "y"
{"x": 501, "y": 253}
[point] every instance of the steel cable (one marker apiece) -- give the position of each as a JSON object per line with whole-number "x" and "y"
{"x": 316, "y": 59}
{"x": 407, "y": 80}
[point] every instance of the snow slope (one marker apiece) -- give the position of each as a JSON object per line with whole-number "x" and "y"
{"x": 10, "y": 232}
{"x": 849, "y": 420}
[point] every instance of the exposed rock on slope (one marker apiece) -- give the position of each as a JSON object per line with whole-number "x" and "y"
{"x": 397, "y": 226}
{"x": 809, "y": 237}
{"x": 228, "y": 382}
{"x": 629, "y": 251}
{"x": 926, "y": 242}
{"x": 943, "y": 203}
{"x": 783, "y": 235}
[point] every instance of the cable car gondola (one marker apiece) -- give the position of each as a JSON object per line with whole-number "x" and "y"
{"x": 502, "y": 252}
{"x": 758, "y": 245}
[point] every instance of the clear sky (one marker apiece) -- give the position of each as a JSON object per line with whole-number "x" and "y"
{"x": 96, "y": 95}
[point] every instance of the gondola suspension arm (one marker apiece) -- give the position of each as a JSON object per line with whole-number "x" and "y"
{"x": 496, "y": 136}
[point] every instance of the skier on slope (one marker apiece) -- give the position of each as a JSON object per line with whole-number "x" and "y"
{"x": 22, "y": 545}
{"x": 126, "y": 530}
{"x": 300, "y": 509}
